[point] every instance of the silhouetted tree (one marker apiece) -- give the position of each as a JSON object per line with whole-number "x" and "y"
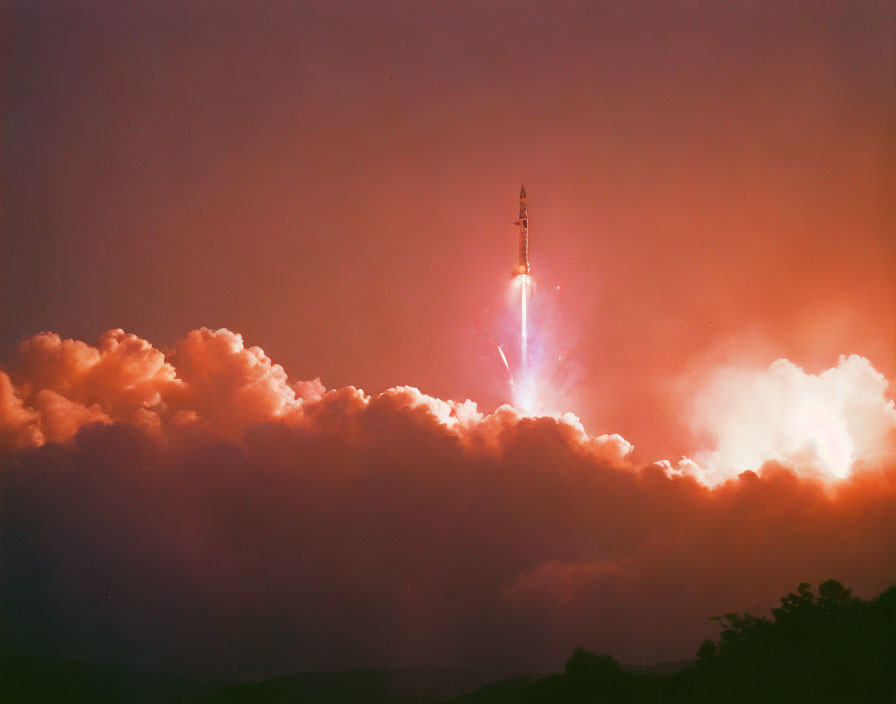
{"x": 587, "y": 678}
{"x": 835, "y": 647}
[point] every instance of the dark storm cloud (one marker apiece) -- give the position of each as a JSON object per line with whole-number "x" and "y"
{"x": 195, "y": 511}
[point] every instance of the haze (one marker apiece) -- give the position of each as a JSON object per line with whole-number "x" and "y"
{"x": 335, "y": 182}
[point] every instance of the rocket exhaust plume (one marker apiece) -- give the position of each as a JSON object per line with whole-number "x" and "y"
{"x": 524, "y": 333}
{"x": 524, "y": 396}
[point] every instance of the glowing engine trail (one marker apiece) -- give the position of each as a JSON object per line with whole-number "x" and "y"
{"x": 524, "y": 334}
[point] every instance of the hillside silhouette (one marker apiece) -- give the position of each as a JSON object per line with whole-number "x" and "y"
{"x": 831, "y": 647}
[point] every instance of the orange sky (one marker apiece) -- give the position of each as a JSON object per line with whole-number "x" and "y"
{"x": 336, "y": 184}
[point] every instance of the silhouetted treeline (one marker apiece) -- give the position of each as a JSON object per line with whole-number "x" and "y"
{"x": 833, "y": 647}
{"x": 829, "y": 647}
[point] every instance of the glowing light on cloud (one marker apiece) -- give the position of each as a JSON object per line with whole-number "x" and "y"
{"x": 819, "y": 424}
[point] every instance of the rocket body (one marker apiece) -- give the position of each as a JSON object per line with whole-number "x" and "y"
{"x": 523, "y": 223}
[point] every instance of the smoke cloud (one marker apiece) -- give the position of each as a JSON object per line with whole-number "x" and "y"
{"x": 819, "y": 425}
{"x": 198, "y": 511}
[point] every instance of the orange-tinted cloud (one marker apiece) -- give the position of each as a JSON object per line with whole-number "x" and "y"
{"x": 198, "y": 511}
{"x": 820, "y": 424}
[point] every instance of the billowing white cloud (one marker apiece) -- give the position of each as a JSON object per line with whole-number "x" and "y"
{"x": 821, "y": 425}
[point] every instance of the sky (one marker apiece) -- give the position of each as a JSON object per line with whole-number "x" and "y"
{"x": 335, "y": 181}
{"x": 710, "y": 190}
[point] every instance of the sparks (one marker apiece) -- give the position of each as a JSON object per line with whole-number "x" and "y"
{"x": 506, "y": 365}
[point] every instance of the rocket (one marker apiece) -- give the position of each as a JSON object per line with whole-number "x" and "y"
{"x": 523, "y": 222}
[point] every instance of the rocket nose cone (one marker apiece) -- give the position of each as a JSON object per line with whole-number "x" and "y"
{"x": 522, "y": 191}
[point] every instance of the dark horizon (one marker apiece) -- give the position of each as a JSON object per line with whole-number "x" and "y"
{"x": 832, "y": 646}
